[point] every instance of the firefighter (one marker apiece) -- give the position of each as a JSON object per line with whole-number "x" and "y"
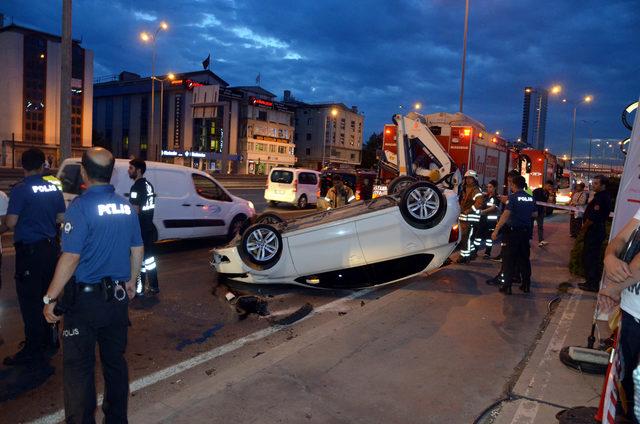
{"x": 470, "y": 189}
{"x": 340, "y": 194}
{"x": 489, "y": 218}
{"x": 474, "y": 218}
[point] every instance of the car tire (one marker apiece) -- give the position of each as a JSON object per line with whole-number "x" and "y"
{"x": 303, "y": 202}
{"x": 399, "y": 184}
{"x": 423, "y": 205}
{"x": 236, "y": 226}
{"x": 261, "y": 246}
{"x": 269, "y": 218}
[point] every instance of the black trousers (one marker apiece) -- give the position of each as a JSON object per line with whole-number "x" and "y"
{"x": 539, "y": 220}
{"x": 630, "y": 350}
{"x": 515, "y": 256}
{"x": 591, "y": 255}
{"x": 35, "y": 265}
{"x": 149, "y": 270}
{"x": 89, "y": 321}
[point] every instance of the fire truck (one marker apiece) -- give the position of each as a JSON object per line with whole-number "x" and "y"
{"x": 537, "y": 166}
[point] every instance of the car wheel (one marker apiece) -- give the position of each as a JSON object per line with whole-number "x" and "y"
{"x": 261, "y": 246}
{"x": 423, "y": 205}
{"x": 269, "y": 218}
{"x": 399, "y": 184}
{"x": 236, "y": 226}
{"x": 302, "y": 202}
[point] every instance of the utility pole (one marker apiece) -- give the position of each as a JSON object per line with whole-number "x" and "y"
{"x": 464, "y": 52}
{"x": 65, "y": 82}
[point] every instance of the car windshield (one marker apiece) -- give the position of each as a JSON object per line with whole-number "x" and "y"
{"x": 284, "y": 177}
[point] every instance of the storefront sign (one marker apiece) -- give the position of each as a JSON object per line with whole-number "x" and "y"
{"x": 260, "y": 102}
{"x": 169, "y": 153}
{"x": 177, "y": 121}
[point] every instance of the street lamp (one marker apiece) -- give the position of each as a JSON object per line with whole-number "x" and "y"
{"x": 334, "y": 113}
{"x": 586, "y": 99}
{"x": 170, "y": 77}
{"x": 417, "y": 106}
{"x": 147, "y": 37}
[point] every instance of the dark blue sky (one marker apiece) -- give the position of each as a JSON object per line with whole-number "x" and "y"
{"x": 380, "y": 54}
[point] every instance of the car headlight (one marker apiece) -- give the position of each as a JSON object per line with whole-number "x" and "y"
{"x": 251, "y": 206}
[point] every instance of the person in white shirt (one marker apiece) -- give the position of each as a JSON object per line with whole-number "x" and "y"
{"x": 579, "y": 199}
{"x": 624, "y": 286}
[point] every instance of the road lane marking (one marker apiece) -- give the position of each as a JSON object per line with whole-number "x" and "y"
{"x": 528, "y": 410}
{"x": 169, "y": 372}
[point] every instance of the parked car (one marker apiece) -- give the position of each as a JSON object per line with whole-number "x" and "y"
{"x": 366, "y": 243}
{"x": 360, "y": 181}
{"x": 296, "y": 186}
{"x": 189, "y": 203}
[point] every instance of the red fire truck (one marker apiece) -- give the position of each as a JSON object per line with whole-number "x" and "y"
{"x": 536, "y": 166}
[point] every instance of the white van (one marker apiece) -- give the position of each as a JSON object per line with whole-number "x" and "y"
{"x": 189, "y": 203}
{"x": 296, "y": 186}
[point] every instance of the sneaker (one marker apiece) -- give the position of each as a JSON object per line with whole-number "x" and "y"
{"x": 153, "y": 291}
{"x": 543, "y": 243}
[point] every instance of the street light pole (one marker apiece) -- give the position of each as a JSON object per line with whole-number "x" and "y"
{"x": 146, "y": 37}
{"x": 464, "y": 51}
{"x": 65, "y": 82}
{"x": 573, "y": 136}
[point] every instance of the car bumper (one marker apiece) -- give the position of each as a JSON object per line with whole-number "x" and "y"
{"x": 277, "y": 197}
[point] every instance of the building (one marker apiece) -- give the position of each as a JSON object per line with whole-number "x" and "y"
{"x": 534, "y": 117}
{"x": 195, "y": 119}
{"x": 30, "y": 63}
{"x": 266, "y": 131}
{"x": 327, "y": 133}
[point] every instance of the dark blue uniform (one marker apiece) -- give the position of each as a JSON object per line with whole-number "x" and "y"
{"x": 101, "y": 227}
{"x": 597, "y": 213}
{"x": 143, "y": 196}
{"x": 36, "y": 202}
{"x": 517, "y": 233}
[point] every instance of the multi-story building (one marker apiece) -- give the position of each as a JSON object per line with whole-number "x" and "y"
{"x": 30, "y": 63}
{"x": 328, "y": 134}
{"x": 534, "y": 117}
{"x": 195, "y": 119}
{"x": 266, "y": 131}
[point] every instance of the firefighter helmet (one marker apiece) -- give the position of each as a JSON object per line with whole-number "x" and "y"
{"x": 471, "y": 173}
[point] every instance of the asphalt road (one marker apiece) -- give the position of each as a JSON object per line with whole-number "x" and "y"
{"x": 437, "y": 348}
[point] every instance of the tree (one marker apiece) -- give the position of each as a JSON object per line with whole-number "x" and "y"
{"x": 369, "y": 150}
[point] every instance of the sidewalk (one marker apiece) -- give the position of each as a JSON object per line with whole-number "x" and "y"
{"x": 546, "y": 386}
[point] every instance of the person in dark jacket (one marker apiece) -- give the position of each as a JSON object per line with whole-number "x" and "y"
{"x": 541, "y": 194}
{"x": 595, "y": 218}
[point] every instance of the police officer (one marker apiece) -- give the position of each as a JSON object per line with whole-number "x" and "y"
{"x": 516, "y": 220}
{"x": 102, "y": 249}
{"x": 595, "y": 217}
{"x": 143, "y": 198}
{"x": 340, "y": 194}
{"x": 35, "y": 209}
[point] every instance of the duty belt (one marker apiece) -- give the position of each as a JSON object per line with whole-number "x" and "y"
{"x": 111, "y": 289}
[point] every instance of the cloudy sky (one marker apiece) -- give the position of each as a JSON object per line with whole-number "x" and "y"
{"x": 380, "y": 54}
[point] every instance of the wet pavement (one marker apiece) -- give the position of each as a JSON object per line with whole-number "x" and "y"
{"x": 436, "y": 348}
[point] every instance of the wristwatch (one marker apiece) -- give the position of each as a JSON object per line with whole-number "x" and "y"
{"x": 49, "y": 300}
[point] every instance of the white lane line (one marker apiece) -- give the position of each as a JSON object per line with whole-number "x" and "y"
{"x": 528, "y": 410}
{"x": 169, "y": 372}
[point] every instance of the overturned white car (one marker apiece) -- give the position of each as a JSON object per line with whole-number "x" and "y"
{"x": 364, "y": 244}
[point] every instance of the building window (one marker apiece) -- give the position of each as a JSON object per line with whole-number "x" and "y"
{"x": 342, "y": 138}
{"x": 34, "y": 88}
{"x": 272, "y": 148}
{"x": 308, "y": 136}
{"x": 260, "y": 147}
{"x": 250, "y": 147}
{"x": 353, "y": 125}
{"x": 353, "y": 156}
{"x": 309, "y": 121}
{"x": 207, "y": 135}
{"x": 262, "y": 115}
{"x": 308, "y": 151}
{"x": 282, "y": 150}
{"x": 342, "y": 123}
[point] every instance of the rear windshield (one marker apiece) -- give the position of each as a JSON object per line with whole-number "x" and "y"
{"x": 563, "y": 182}
{"x": 71, "y": 179}
{"x": 284, "y": 177}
